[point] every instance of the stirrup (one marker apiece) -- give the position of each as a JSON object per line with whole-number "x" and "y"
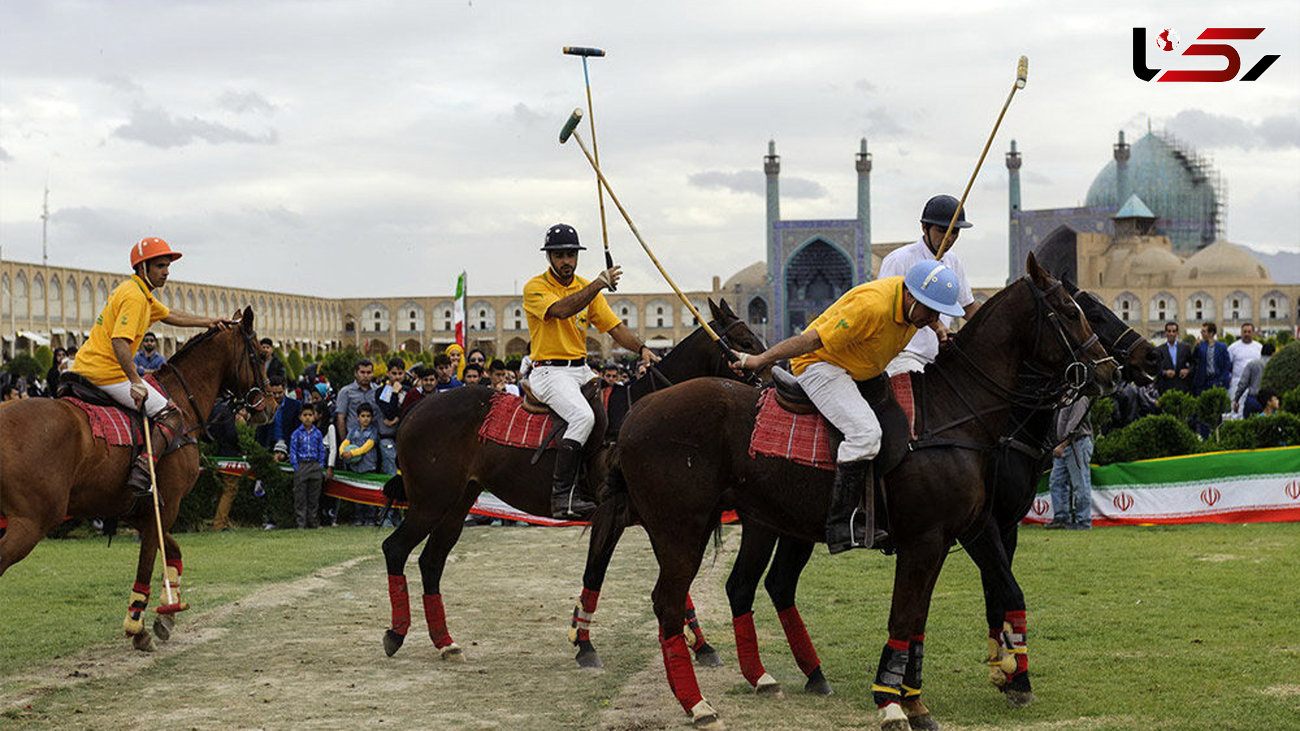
{"x": 569, "y": 505}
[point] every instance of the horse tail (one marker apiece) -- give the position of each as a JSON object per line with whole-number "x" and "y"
{"x": 394, "y": 490}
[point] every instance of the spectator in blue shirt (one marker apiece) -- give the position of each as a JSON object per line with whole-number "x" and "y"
{"x": 307, "y": 456}
{"x": 445, "y": 371}
{"x": 1211, "y": 366}
{"x": 149, "y": 360}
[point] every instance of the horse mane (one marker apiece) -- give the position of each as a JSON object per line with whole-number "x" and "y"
{"x": 990, "y": 306}
{"x": 193, "y": 343}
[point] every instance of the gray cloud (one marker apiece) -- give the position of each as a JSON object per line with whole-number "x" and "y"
{"x": 118, "y": 82}
{"x": 245, "y": 101}
{"x": 755, "y": 182}
{"x": 156, "y": 128}
{"x": 1203, "y": 129}
{"x": 4, "y": 155}
{"x": 525, "y": 115}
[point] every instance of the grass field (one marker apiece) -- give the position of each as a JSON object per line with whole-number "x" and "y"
{"x": 1184, "y": 627}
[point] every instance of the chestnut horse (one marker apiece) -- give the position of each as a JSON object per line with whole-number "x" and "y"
{"x": 1020, "y": 458}
{"x": 51, "y": 466}
{"x": 684, "y": 458}
{"x": 445, "y": 465}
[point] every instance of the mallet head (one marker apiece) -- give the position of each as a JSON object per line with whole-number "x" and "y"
{"x": 1022, "y": 72}
{"x": 582, "y": 51}
{"x": 570, "y": 125}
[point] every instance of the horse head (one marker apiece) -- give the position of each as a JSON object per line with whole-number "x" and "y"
{"x": 735, "y": 334}
{"x": 245, "y": 374}
{"x": 1072, "y": 344}
{"x": 1139, "y": 359}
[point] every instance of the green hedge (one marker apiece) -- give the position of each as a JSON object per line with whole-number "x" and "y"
{"x": 1258, "y": 432}
{"x": 1152, "y": 436}
{"x": 1282, "y": 373}
{"x": 201, "y": 504}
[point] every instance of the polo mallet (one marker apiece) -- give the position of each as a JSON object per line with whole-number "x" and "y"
{"x": 171, "y": 606}
{"x": 584, "y": 53}
{"x": 570, "y": 130}
{"x": 1022, "y": 74}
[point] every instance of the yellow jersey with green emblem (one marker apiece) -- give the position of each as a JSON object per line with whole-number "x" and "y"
{"x": 131, "y": 309}
{"x": 862, "y": 331}
{"x": 553, "y": 338}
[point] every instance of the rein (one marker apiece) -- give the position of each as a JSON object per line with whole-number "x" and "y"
{"x": 254, "y": 398}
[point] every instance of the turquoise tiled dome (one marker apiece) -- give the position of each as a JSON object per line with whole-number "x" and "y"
{"x": 1177, "y": 188}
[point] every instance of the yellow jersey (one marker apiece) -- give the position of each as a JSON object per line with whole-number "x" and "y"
{"x": 862, "y": 331}
{"x": 553, "y": 338}
{"x": 131, "y": 309}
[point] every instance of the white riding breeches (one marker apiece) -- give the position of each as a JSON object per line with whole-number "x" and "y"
{"x": 560, "y": 387}
{"x": 121, "y": 393}
{"x": 906, "y": 362}
{"x": 836, "y": 396}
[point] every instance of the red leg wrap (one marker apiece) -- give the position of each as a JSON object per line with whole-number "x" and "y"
{"x": 1016, "y": 640}
{"x": 751, "y": 665}
{"x": 681, "y": 675}
{"x": 141, "y": 586}
{"x": 587, "y": 600}
{"x": 800, "y": 643}
{"x": 437, "y": 620}
{"x": 176, "y": 564}
{"x": 400, "y": 601}
{"x": 693, "y": 624}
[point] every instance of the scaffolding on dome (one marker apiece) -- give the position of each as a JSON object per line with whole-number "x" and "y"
{"x": 1201, "y": 167}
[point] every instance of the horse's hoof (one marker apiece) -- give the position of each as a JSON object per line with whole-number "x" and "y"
{"x": 452, "y": 653}
{"x": 923, "y": 722}
{"x": 707, "y": 657}
{"x": 1019, "y": 698}
{"x": 892, "y": 718}
{"x": 768, "y": 685}
{"x": 587, "y": 658}
{"x": 817, "y": 683}
{"x": 703, "y": 716}
{"x": 142, "y": 641}
{"x": 162, "y": 627}
{"x": 392, "y": 642}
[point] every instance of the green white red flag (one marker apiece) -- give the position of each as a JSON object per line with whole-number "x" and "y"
{"x": 458, "y": 309}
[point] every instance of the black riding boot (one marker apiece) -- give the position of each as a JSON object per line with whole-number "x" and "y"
{"x": 566, "y": 504}
{"x": 138, "y": 480}
{"x": 850, "y": 521}
{"x": 163, "y": 428}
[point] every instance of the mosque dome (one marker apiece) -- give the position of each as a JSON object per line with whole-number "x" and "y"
{"x": 1154, "y": 262}
{"x": 1178, "y": 186}
{"x": 1222, "y": 262}
{"x": 752, "y": 276}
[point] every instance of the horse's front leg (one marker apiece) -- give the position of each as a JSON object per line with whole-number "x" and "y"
{"x": 171, "y": 602}
{"x": 133, "y": 625}
{"x": 607, "y": 528}
{"x": 897, "y": 687}
{"x": 756, "y": 545}
{"x": 782, "y": 581}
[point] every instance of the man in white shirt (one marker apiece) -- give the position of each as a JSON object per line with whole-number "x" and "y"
{"x": 1242, "y": 351}
{"x": 924, "y": 347}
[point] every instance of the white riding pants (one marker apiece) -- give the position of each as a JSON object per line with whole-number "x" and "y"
{"x": 836, "y": 396}
{"x": 121, "y": 393}
{"x": 560, "y": 387}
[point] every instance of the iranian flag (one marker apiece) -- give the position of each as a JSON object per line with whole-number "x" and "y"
{"x": 458, "y": 310}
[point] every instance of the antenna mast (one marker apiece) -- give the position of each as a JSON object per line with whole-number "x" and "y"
{"x": 45, "y": 221}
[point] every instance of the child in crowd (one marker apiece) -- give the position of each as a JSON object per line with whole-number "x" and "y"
{"x": 360, "y": 453}
{"x": 307, "y": 456}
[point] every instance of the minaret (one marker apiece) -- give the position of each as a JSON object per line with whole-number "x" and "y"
{"x": 1014, "y": 262}
{"x": 772, "y": 168}
{"x": 863, "y": 164}
{"x": 1123, "y": 185}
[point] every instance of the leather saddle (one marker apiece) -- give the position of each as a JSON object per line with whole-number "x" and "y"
{"x": 590, "y": 393}
{"x": 534, "y": 405}
{"x": 75, "y": 385}
{"x": 876, "y": 391}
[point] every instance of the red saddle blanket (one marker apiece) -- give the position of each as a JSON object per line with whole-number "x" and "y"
{"x": 110, "y": 424}
{"x": 806, "y": 438}
{"x": 507, "y": 423}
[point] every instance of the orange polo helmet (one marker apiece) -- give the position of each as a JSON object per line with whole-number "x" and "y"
{"x": 149, "y": 248}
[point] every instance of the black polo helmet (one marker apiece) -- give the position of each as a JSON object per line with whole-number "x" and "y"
{"x": 562, "y": 237}
{"x": 938, "y": 212}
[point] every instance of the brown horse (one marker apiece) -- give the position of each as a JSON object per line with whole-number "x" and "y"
{"x": 51, "y": 466}
{"x": 683, "y": 455}
{"x": 991, "y": 542}
{"x": 445, "y": 465}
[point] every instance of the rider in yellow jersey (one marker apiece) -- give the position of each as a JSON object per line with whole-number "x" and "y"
{"x": 107, "y": 357}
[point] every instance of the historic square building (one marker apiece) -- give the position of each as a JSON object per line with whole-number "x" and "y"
{"x": 1148, "y": 241}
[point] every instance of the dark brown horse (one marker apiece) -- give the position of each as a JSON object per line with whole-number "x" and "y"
{"x": 991, "y": 542}
{"x": 683, "y": 455}
{"x": 445, "y": 465}
{"x": 51, "y": 466}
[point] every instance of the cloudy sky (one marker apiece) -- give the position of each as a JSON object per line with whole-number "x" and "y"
{"x": 365, "y": 148}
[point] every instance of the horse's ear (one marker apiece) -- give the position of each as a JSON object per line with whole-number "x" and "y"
{"x": 246, "y": 321}
{"x": 714, "y": 311}
{"x": 1036, "y": 273}
{"x": 726, "y": 309}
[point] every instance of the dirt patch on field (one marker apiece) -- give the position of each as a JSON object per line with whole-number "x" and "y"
{"x": 308, "y": 654}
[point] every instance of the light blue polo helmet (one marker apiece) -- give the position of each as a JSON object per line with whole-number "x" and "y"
{"x": 935, "y": 286}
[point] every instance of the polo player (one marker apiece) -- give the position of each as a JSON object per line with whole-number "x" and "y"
{"x": 853, "y": 340}
{"x": 561, "y": 306}
{"x": 107, "y": 359}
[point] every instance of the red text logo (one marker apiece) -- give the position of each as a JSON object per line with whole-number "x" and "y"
{"x": 1167, "y": 41}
